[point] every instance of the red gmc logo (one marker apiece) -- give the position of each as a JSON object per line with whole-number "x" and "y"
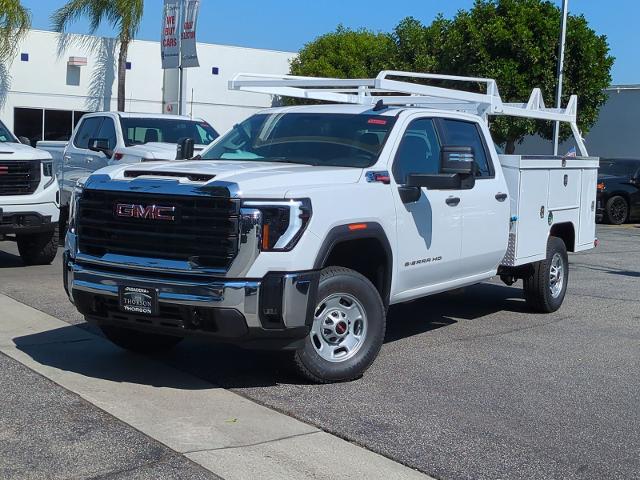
{"x": 148, "y": 212}
{"x": 4, "y": 170}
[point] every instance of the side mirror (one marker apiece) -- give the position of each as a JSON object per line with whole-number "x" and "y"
{"x": 409, "y": 194}
{"x": 24, "y": 140}
{"x": 455, "y": 159}
{"x": 186, "y": 148}
{"x": 100, "y": 145}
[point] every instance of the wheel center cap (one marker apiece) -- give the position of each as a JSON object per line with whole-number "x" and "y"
{"x": 341, "y": 328}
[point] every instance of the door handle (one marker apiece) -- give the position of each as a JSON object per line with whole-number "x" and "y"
{"x": 453, "y": 201}
{"x": 501, "y": 197}
{"x": 66, "y": 159}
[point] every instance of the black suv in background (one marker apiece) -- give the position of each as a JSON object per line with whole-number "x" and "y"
{"x": 618, "y": 191}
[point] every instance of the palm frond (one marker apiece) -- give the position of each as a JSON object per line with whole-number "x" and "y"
{"x": 15, "y": 21}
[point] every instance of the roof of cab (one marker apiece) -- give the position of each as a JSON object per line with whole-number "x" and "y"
{"x": 162, "y": 116}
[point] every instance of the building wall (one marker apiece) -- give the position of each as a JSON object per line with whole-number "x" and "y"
{"x": 46, "y": 80}
{"x": 615, "y": 134}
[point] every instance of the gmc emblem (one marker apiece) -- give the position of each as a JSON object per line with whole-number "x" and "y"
{"x": 147, "y": 212}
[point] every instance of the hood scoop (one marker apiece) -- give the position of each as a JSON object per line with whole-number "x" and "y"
{"x": 192, "y": 177}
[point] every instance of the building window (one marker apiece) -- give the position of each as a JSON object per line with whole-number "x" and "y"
{"x": 45, "y": 124}
{"x": 128, "y": 65}
{"x": 215, "y": 71}
{"x": 24, "y": 57}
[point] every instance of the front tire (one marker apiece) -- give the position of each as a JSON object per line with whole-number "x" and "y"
{"x": 546, "y": 286}
{"x": 348, "y": 328}
{"x": 617, "y": 210}
{"x": 38, "y": 248}
{"x": 139, "y": 342}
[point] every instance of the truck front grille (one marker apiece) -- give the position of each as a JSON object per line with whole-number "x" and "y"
{"x": 19, "y": 178}
{"x": 200, "y": 230}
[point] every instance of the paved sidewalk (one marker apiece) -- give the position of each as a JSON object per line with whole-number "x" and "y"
{"x": 220, "y": 430}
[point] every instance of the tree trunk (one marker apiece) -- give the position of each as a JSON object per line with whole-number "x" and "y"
{"x": 122, "y": 74}
{"x": 510, "y": 147}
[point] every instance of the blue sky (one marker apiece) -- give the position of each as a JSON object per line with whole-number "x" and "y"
{"x": 289, "y": 24}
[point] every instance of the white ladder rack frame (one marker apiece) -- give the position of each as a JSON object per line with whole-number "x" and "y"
{"x": 395, "y": 92}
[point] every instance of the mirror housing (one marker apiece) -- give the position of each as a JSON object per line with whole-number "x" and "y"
{"x": 409, "y": 194}
{"x": 443, "y": 181}
{"x": 186, "y": 149}
{"x": 25, "y": 141}
{"x": 100, "y": 145}
{"x": 454, "y": 159}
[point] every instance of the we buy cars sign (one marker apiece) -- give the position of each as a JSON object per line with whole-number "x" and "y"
{"x": 179, "y": 21}
{"x": 170, "y": 46}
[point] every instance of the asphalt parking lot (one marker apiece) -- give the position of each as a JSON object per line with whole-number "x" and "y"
{"x": 468, "y": 384}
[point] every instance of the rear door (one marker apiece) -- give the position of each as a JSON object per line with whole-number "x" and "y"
{"x": 485, "y": 207}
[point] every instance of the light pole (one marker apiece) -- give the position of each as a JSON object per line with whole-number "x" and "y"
{"x": 563, "y": 39}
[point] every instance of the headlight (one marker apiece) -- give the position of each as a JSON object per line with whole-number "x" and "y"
{"x": 73, "y": 206}
{"x": 283, "y": 222}
{"x": 47, "y": 171}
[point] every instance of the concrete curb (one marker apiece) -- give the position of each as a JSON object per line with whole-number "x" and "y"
{"x": 218, "y": 429}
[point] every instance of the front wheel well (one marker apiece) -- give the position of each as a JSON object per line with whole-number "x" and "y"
{"x": 367, "y": 256}
{"x": 565, "y": 232}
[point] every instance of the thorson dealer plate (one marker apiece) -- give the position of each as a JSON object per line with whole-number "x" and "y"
{"x": 139, "y": 300}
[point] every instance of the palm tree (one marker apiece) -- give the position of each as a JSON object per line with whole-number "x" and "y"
{"x": 15, "y": 21}
{"x": 124, "y": 15}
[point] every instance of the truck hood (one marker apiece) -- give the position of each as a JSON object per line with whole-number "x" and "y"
{"x": 18, "y": 151}
{"x": 155, "y": 151}
{"x": 252, "y": 178}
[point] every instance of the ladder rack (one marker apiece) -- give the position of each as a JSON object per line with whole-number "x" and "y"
{"x": 391, "y": 91}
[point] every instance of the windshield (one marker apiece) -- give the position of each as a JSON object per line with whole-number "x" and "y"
{"x": 342, "y": 140}
{"x": 618, "y": 168}
{"x": 138, "y": 131}
{"x": 5, "y": 135}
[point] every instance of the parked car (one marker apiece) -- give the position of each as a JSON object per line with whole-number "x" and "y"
{"x": 618, "y": 191}
{"x": 115, "y": 138}
{"x": 299, "y": 227}
{"x": 29, "y": 199}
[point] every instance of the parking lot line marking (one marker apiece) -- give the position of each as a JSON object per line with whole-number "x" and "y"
{"x": 181, "y": 411}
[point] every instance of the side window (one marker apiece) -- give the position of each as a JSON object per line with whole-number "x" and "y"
{"x": 459, "y": 133}
{"x": 419, "y": 151}
{"x": 86, "y": 131}
{"x": 108, "y": 131}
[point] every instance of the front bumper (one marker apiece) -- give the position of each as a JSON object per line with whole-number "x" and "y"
{"x": 273, "y": 312}
{"x": 25, "y": 219}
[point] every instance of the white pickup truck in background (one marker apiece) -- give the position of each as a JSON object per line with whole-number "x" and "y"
{"x": 29, "y": 199}
{"x": 299, "y": 227}
{"x": 113, "y": 138}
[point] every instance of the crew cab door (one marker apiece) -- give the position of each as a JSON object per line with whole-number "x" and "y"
{"x": 429, "y": 230}
{"x": 79, "y": 161}
{"x": 485, "y": 207}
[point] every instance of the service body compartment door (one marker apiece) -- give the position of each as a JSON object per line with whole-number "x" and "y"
{"x": 532, "y": 213}
{"x": 587, "y": 208}
{"x": 564, "y": 189}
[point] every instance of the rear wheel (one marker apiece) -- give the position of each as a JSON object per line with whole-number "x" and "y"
{"x": 617, "y": 210}
{"x": 348, "y": 328}
{"x": 139, "y": 342}
{"x": 546, "y": 287}
{"x": 38, "y": 248}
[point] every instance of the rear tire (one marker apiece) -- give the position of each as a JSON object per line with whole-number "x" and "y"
{"x": 38, "y": 248}
{"x": 348, "y": 329}
{"x": 617, "y": 210}
{"x": 139, "y": 342}
{"x": 546, "y": 287}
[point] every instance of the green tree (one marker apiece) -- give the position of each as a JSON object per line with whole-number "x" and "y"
{"x": 124, "y": 15}
{"x": 512, "y": 41}
{"x": 345, "y": 53}
{"x": 15, "y": 21}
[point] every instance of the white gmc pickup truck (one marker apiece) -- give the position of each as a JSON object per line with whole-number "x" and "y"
{"x": 29, "y": 199}
{"x": 116, "y": 138}
{"x": 299, "y": 227}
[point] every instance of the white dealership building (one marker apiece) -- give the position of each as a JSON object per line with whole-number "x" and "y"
{"x": 54, "y": 80}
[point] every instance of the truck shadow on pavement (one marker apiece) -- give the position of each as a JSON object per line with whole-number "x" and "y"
{"x": 77, "y": 350}
{"x": 7, "y": 260}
